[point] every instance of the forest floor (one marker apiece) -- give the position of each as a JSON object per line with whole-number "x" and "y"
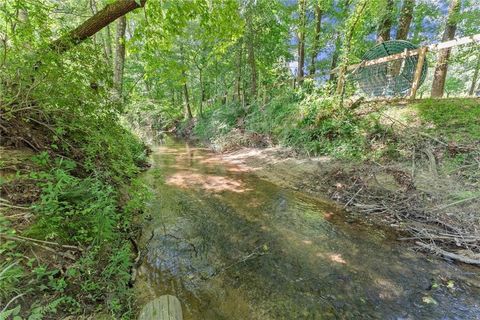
{"x": 428, "y": 190}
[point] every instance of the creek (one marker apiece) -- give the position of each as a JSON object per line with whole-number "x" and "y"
{"x": 231, "y": 245}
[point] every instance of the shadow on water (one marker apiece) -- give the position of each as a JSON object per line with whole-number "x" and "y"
{"x": 233, "y": 246}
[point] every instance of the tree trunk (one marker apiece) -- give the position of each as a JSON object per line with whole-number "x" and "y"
{"x": 405, "y": 20}
{"x": 202, "y": 93}
{"x": 475, "y": 77}
{"x": 316, "y": 44}
{"x": 119, "y": 56}
{"x": 335, "y": 55}
{"x": 251, "y": 59}
{"x": 301, "y": 41}
{"x": 359, "y": 11}
{"x": 385, "y": 26}
{"x": 188, "y": 110}
{"x": 442, "y": 59}
{"x": 108, "y": 43}
{"x": 238, "y": 80}
{"x": 97, "y": 22}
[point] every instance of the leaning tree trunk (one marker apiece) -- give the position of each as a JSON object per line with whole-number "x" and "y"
{"x": 405, "y": 20}
{"x": 202, "y": 91}
{"x": 119, "y": 56}
{"x": 316, "y": 44}
{"x": 97, "y": 22}
{"x": 385, "y": 26}
{"x": 359, "y": 11}
{"x": 334, "y": 63}
{"x": 442, "y": 59}
{"x": 301, "y": 42}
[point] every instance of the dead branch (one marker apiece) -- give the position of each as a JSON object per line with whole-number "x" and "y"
{"x": 447, "y": 254}
{"x": 32, "y": 240}
{"x": 11, "y": 301}
{"x": 455, "y": 203}
{"x": 11, "y": 206}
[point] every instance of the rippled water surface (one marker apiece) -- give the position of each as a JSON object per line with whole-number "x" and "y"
{"x": 230, "y": 245}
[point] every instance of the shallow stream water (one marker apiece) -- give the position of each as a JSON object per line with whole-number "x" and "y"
{"x": 231, "y": 245}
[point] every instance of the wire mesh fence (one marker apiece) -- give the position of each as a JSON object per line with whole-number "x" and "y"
{"x": 388, "y": 70}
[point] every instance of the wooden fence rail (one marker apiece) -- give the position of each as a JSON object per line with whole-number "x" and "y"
{"x": 414, "y": 52}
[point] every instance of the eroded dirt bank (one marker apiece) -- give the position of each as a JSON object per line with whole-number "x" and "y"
{"x": 417, "y": 202}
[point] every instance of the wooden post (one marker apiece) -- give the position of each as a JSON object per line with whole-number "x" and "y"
{"x": 418, "y": 72}
{"x": 166, "y": 307}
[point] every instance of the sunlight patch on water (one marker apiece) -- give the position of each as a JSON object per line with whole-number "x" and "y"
{"x": 210, "y": 183}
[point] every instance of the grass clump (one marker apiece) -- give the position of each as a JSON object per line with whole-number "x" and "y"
{"x": 455, "y": 119}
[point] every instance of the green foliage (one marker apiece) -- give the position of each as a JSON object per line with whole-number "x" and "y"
{"x": 82, "y": 212}
{"x": 218, "y": 120}
{"x": 75, "y": 210}
{"x": 62, "y": 107}
{"x": 453, "y": 85}
{"x": 313, "y": 123}
{"x": 10, "y": 276}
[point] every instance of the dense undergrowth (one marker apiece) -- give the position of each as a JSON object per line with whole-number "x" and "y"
{"x": 69, "y": 193}
{"x": 311, "y": 123}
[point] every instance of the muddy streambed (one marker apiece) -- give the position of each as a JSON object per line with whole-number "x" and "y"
{"x": 231, "y": 245}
